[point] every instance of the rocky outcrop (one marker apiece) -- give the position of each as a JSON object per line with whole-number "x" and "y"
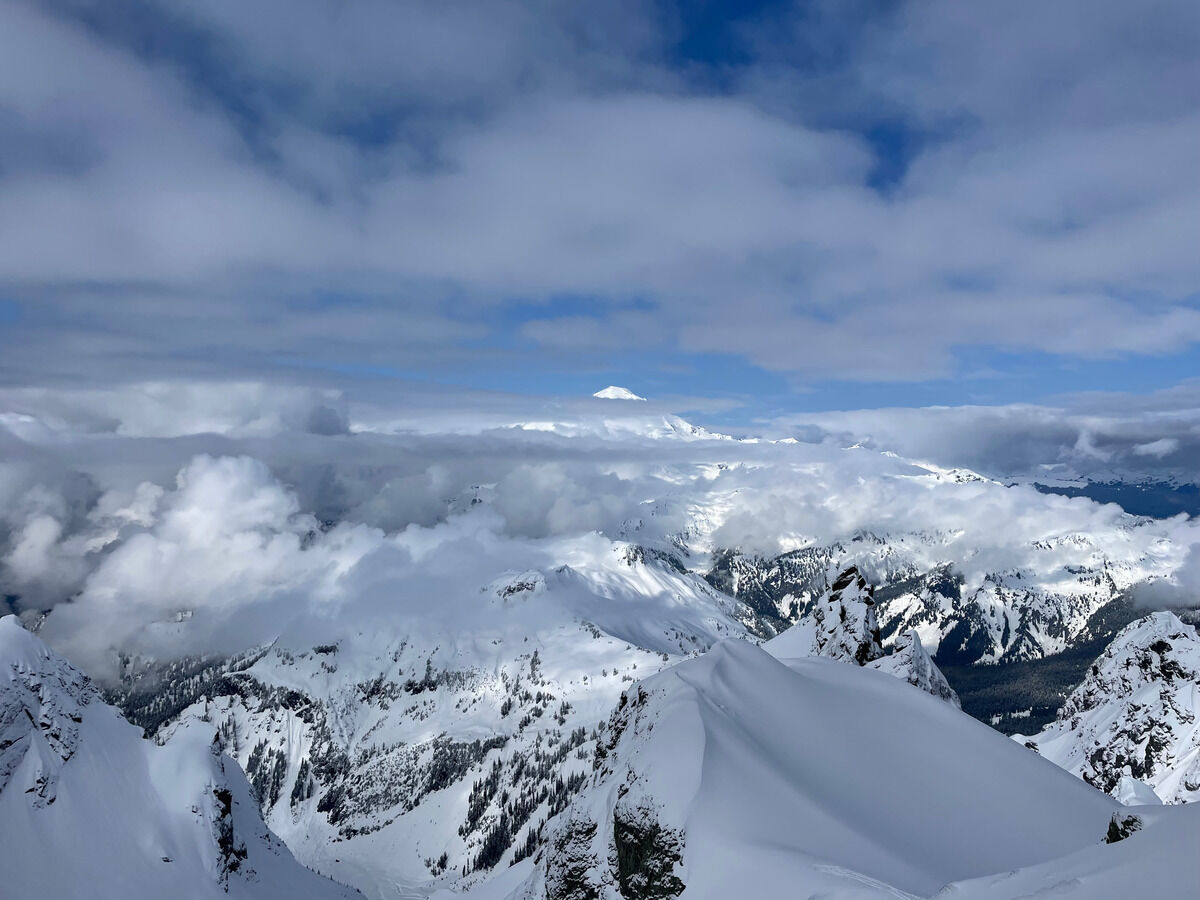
{"x": 1135, "y": 714}
{"x": 842, "y": 625}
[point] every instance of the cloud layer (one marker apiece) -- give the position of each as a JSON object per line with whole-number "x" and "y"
{"x": 194, "y": 189}
{"x": 141, "y": 535}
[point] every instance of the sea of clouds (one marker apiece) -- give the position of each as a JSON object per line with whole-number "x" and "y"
{"x": 184, "y": 518}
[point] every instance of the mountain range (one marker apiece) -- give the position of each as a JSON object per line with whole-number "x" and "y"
{"x": 736, "y": 682}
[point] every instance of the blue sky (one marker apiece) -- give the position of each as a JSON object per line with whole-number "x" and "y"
{"x": 756, "y": 209}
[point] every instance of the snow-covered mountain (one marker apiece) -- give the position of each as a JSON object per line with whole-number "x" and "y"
{"x": 1135, "y": 714}
{"x": 458, "y": 719}
{"x": 413, "y": 678}
{"x": 90, "y": 808}
{"x": 735, "y": 775}
{"x": 615, "y": 392}
{"x": 1009, "y": 615}
{"x": 432, "y": 742}
{"x": 842, "y": 625}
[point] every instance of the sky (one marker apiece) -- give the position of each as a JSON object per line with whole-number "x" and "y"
{"x": 760, "y": 209}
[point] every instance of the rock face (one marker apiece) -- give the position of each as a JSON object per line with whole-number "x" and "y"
{"x": 732, "y": 774}
{"x": 841, "y": 625}
{"x": 623, "y": 842}
{"x": 910, "y": 662}
{"x": 1135, "y": 714}
{"x": 92, "y": 809}
{"x": 42, "y": 700}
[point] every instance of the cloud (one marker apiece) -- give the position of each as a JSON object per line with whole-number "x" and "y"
{"x": 238, "y": 242}
{"x": 1098, "y": 436}
{"x": 1158, "y": 449}
{"x": 254, "y": 192}
{"x": 1179, "y": 589}
{"x": 187, "y": 543}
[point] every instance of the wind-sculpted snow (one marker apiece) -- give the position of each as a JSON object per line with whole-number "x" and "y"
{"x": 90, "y": 809}
{"x": 734, "y": 775}
{"x": 1158, "y": 860}
{"x": 1135, "y": 714}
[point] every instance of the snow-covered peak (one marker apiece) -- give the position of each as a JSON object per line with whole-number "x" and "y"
{"x": 842, "y": 625}
{"x": 910, "y": 661}
{"x": 615, "y": 392}
{"x": 42, "y": 697}
{"x": 1137, "y": 713}
{"x": 90, "y": 808}
{"x": 734, "y": 775}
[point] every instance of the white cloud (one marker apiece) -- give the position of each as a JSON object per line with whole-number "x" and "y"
{"x": 1158, "y": 449}
{"x": 254, "y": 534}
{"x": 206, "y": 219}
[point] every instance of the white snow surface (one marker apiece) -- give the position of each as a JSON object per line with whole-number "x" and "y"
{"x": 90, "y": 808}
{"x": 1137, "y": 713}
{"x": 1158, "y": 861}
{"x": 811, "y": 779}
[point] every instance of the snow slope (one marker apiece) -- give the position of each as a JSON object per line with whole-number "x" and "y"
{"x": 735, "y": 775}
{"x": 1135, "y": 714}
{"x": 92, "y": 809}
{"x": 1158, "y": 861}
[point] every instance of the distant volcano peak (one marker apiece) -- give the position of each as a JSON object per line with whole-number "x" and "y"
{"x": 613, "y": 392}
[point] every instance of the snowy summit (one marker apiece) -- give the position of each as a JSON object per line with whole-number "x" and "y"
{"x": 613, "y": 392}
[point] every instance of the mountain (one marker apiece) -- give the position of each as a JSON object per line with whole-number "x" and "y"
{"x": 1135, "y": 714}
{"x": 910, "y": 661}
{"x": 1008, "y": 616}
{"x": 613, "y": 392}
{"x": 89, "y": 807}
{"x": 430, "y": 741}
{"x": 733, "y": 774}
{"x": 842, "y": 625}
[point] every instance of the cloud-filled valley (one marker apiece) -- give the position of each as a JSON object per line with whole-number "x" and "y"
{"x": 136, "y": 536}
